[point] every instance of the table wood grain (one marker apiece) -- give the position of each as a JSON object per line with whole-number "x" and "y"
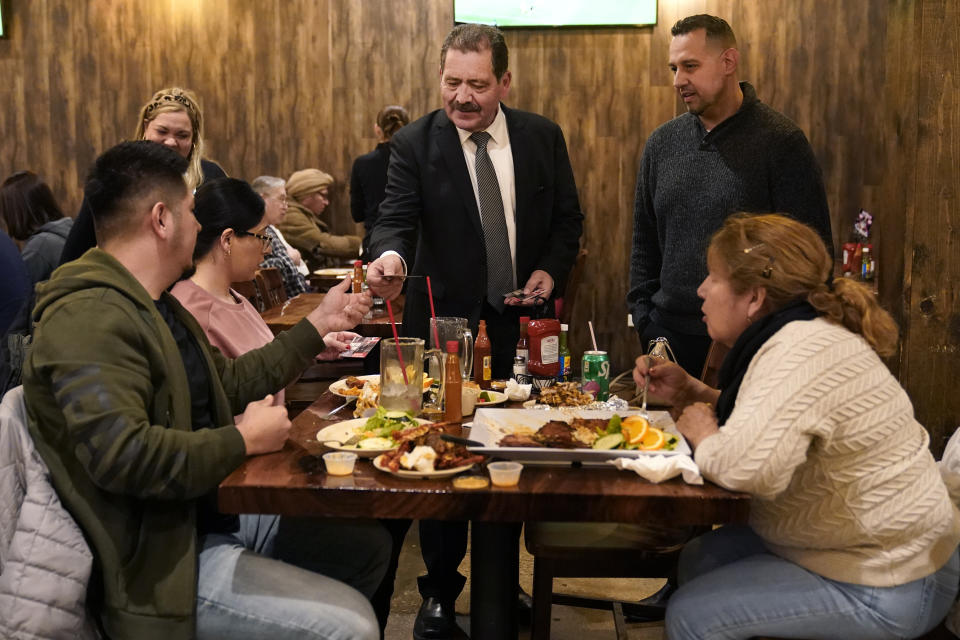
{"x": 283, "y": 317}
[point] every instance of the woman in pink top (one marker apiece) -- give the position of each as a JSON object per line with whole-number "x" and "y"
{"x": 230, "y": 247}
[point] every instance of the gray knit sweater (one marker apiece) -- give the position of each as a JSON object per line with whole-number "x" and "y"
{"x": 757, "y": 160}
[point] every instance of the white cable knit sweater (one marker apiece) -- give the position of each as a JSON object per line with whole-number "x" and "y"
{"x": 824, "y": 438}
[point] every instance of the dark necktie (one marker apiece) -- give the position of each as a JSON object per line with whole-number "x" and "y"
{"x": 499, "y": 260}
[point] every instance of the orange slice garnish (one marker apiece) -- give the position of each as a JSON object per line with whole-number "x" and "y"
{"x": 634, "y": 428}
{"x": 653, "y": 439}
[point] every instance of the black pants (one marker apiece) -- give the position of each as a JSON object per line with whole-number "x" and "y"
{"x": 443, "y": 545}
{"x": 690, "y": 349}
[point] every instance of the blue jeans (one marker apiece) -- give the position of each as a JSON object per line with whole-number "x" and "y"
{"x": 732, "y": 587}
{"x": 283, "y": 579}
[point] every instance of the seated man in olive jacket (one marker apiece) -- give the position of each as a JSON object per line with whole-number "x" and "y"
{"x": 132, "y": 410}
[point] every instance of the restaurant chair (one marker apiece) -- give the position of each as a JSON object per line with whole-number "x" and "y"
{"x": 270, "y": 284}
{"x": 560, "y": 551}
{"x": 248, "y": 289}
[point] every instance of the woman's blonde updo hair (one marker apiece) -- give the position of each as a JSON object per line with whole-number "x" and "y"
{"x": 177, "y": 99}
{"x": 391, "y": 118}
{"x": 789, "y": 260}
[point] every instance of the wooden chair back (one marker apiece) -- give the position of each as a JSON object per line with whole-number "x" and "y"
{"x": 711, "y": 368}
{"x": 270, "y": 284}
{"x": 248, "y": 289}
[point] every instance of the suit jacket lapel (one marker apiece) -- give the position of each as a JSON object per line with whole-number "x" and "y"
{"x": 448, "y": 141}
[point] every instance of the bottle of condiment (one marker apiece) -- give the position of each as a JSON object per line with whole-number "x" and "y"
{"x": 452, "y": 383}
{"x": 564, "y": 356}
{"x": 544, "y": 337}
{"x": 482, "y": 357}
{"x": 523, "y": 345}
{"x": 357, "y": 277}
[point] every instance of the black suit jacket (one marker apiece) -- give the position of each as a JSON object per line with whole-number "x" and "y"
{"x": 430, "y": 208}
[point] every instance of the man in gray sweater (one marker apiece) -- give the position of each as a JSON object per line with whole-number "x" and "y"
{"x": 729, "y": 153}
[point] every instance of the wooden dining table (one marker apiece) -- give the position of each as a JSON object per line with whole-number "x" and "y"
{"x": 293, "y": 482}
{"x": 284, "y": 316}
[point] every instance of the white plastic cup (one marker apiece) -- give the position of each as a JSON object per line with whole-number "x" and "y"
{"x": 468, "y": 400}
{"x": 504, "y": 474}
{"x": 339, "y": 463}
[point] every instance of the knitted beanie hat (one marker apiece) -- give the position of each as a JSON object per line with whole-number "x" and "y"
{"x": 306, "y": 181}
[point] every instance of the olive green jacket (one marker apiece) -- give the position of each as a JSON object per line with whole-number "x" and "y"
{"x": 312, "y": 237}
{"x": 108, "y": 403}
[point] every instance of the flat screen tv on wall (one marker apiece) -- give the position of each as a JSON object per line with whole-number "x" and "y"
{"x": 556, "y": 13}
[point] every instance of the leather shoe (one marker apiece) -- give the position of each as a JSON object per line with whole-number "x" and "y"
{"x": 437, "y": 620}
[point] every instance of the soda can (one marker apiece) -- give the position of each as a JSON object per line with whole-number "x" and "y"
{"x": 596, "y": 374}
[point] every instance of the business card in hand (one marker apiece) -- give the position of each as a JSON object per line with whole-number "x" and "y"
{"x": 360, "y": 347}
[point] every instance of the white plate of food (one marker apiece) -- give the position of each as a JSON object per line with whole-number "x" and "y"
{"x": 334, "y": 272}
{"x": 352, "y": 386}
{"x": 365, "y": 437}
{"x": 413, "y": 474}
{"x": 569, "y": 435}
{"x": 495, "y": 398}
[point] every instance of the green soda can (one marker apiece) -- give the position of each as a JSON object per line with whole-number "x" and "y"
{"x": 596, "y": 374}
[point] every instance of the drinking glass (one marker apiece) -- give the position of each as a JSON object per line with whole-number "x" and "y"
{"x": 395, "y": 394}
{"x": 454, "y": 329}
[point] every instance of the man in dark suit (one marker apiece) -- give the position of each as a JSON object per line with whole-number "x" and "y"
{"x": 487, "y": 196}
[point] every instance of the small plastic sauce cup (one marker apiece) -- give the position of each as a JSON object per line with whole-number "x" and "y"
{"x": 339, "y": 463}
{"x": 468, "y": 400}
{"x": 504, "y": 474}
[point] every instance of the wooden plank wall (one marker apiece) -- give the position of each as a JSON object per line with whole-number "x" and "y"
{"x": 287, "y": 84}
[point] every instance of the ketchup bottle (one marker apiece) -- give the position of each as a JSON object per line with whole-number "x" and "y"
{"x": 452, "y": 384}
{"x": 544, "y": 357}
{"x": 482, "y": 358}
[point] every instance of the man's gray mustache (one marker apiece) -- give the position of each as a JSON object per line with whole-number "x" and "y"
{"x": 468, "y": 107}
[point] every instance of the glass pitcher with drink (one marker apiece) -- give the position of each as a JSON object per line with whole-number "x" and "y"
{"x": 452, "y": 329}
{"x": 399, "y": 393}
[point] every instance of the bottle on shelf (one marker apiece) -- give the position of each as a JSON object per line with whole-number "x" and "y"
{"x": 867, "y": 264}
{"x": 452, "y": 383}
{"x": 565, "y": 356}
{"x": 482, "y": 357}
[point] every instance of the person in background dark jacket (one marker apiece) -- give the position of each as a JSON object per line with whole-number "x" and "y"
{"x": 368, "y": 178}
{"x": 32, "y": 217}
{"x": 14, "y": 285}
{"x": 173, "y": 118}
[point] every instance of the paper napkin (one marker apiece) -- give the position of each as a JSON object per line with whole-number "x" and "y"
{"x": 659, "y": 468}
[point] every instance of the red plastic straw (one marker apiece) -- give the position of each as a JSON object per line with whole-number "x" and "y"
{"x": 396, "y": 340}
{"x": 433, "y": 314}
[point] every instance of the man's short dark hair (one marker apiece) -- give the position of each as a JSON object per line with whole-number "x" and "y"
{"x": 717, "y": 29}
{"x": 477, "y": 37}
{"x": 125, "y": 173}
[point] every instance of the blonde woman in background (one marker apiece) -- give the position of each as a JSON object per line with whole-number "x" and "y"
{"x": 172, "y": 117}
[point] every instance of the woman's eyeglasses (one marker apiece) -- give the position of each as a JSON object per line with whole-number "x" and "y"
{"x": 265, "y": 241}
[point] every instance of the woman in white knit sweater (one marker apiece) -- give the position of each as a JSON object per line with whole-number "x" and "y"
{"x": 852, "y": 534}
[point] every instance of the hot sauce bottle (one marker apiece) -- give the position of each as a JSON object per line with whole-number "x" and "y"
{"x": 523, "y": 345}
{"x": 357, "y": 286}
{"x": 482, "y": 358}
{"x": 452, "y": 383}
